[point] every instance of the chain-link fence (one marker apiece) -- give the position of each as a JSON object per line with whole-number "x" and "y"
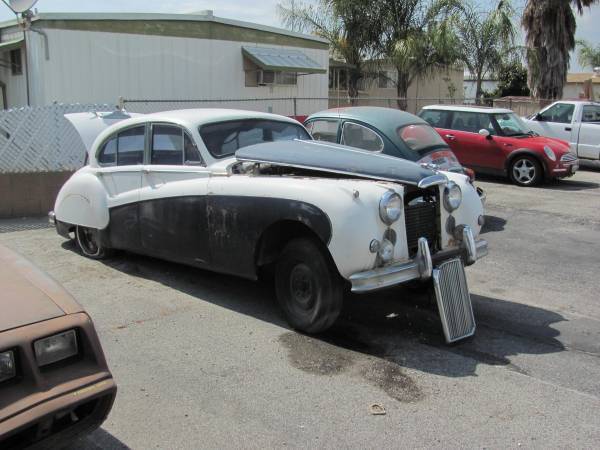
{"x": 304, "y": 106}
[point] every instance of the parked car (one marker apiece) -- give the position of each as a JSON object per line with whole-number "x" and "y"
{"x": 576, "y": 122}
{"x": 496, "y": 141}
{"x": 54, "y": 381}
{"x": 383, "y": 130}
{"x": 238, "y": 192}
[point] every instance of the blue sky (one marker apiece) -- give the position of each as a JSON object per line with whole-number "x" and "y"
{"x": 261, "y": 11}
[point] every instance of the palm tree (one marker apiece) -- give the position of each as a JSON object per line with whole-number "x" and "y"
{"x": 588, "y": 55}
{"x": 485, "y": 39}
{"x": 550, "y": 36}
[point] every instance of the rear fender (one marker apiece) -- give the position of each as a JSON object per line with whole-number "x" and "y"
{"x": 83, "y": 201}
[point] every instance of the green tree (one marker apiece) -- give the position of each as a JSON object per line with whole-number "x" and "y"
{"x": 348, "y": 25}
{"x": 416, "y": 38}
{"x": 550, "y": 36}
{"x": 588, "y": 55}
{"x": 512, "y": 80}
{"x": 485, "y": 39}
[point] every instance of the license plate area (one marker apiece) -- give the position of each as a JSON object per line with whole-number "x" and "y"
{"x": 453, "y": 300}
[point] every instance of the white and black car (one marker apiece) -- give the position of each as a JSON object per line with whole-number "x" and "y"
{"x": 239, "y": 191}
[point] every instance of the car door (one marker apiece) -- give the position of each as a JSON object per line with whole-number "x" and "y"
{"x": 120, "y": 161}
{"x": 173, "y": 197}
{"x": 588, "y": 145}
{"x": 556, "y": 121}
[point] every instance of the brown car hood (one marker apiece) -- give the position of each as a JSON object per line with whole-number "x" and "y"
{"x": 28, "y": 295}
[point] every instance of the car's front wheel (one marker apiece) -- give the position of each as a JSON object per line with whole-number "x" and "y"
{"x": 309, "y": 288}
{"x": 89, "y": 244}
{"x": 525, "y": 171}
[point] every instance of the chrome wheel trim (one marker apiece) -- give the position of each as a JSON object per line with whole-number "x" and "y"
{"x": 524, "y": 171}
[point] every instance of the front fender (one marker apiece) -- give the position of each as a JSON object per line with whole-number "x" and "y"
{"x": 83, "y": 201}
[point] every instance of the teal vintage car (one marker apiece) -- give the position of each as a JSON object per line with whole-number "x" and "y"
{"x": 384, "y": 130}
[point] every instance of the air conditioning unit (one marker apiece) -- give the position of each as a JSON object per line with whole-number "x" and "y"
{"x": 265, "y": 77}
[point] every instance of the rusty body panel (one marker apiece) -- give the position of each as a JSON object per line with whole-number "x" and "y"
{"x": 59, "y": 401}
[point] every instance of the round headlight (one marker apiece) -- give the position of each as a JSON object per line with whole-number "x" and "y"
{"x": 452, "y": 196}
{"x": 549, "y": 153}
{"x": 390, "y": 207}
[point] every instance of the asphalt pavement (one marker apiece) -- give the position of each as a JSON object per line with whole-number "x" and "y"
{"x": 206, "y": 361}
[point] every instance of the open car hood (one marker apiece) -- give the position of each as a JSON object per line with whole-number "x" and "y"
{"x": 334, "y": 158}
{"x": 90, "y": 124}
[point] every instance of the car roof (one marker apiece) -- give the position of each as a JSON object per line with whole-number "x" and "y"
{"x": 193, "y": 118}
{"x": 387, "y": 120}
{"x": 468, "y": 108}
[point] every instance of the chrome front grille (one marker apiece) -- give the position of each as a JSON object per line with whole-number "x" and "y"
{"x": 420, "y": 222}
{"x": 453, "y": 300}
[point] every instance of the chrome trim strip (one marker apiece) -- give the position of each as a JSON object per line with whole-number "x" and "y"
{"x": 433, "y": 180}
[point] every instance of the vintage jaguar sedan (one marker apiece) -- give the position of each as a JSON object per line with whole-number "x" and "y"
{"x": 239, "y": 192}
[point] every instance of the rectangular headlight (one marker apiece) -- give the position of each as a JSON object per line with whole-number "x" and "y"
{"x": 55, "y": 348}
{"x": 7, "y": 365}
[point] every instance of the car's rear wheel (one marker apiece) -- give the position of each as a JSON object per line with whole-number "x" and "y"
{"x": 89, "y": 244}
{"x": 309, "y": 288}
{"x": 525, "y": 171}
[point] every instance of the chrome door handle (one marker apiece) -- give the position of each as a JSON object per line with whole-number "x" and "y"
{"x": 450, "y": 137}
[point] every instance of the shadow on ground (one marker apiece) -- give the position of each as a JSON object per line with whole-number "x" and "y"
{"x": 99, "y": 439}
{"x": 493, "y": 224}
{"x": 398, "y": 325}
{"x": 564, "y": 184}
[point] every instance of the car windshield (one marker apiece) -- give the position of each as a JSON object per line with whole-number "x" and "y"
{"x": 511, "y": 124}
{"x": 224, "y": 138}
{"x": 421, "y": 139}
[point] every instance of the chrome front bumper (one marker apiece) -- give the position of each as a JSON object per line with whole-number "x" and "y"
{"x": 419, "y": 268}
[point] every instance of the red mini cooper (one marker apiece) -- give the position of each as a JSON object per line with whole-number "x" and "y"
{"x": 496, "y": 141}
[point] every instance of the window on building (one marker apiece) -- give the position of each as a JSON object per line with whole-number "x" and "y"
{"x": 16, "y": 63}
{"x": 355, "y": 135}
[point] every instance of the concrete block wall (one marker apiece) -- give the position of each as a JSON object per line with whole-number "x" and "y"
{"x": 29, "y": 194}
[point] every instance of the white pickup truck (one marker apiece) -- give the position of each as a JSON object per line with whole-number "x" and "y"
{"x": 576, "y": 122}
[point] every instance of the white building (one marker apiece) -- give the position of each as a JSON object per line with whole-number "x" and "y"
{"x": 98, "y": 57}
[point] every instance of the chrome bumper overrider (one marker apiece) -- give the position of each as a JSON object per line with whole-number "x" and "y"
{"x": 421, "y": 267}
{"x": 52, "y": 218}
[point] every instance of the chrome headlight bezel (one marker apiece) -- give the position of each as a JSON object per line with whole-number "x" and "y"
{"x": 452, "y": 196}
{"x": 8, "y": 366}
{"x": 390, "y": 207}
{"x": 549, "y": 153}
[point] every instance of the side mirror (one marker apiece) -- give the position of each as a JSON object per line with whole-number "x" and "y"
{"x": 538, "y": 117}
{"x": 485, "y": 133}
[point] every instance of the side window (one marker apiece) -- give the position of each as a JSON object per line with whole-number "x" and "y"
{"x": 324, "y": 130}
{"x": 437, "y": 119}
{"x": 356, "y": 135}
{"x": 167, "y": 145}
{"x": 108, "y": 154}
{"x": 465, "y": 121}
{"x": 591, "y": 113}
{"x": 130, "y": 146}
{"x": 559, "y": 113}
{"x": 191, "y": 153}
{"x": 485, "y": 122}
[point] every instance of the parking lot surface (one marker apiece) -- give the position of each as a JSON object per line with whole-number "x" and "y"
{"x": 206, "y": 361}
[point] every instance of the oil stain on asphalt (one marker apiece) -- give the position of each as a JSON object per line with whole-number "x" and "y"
{"x": 319, "y": 357}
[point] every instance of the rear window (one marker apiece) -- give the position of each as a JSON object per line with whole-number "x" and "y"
{"x": 224, "y": 138}
{"x": 420, "y": 138}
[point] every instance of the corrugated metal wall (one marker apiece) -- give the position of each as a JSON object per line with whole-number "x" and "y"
{"x": 91, "y": 67}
